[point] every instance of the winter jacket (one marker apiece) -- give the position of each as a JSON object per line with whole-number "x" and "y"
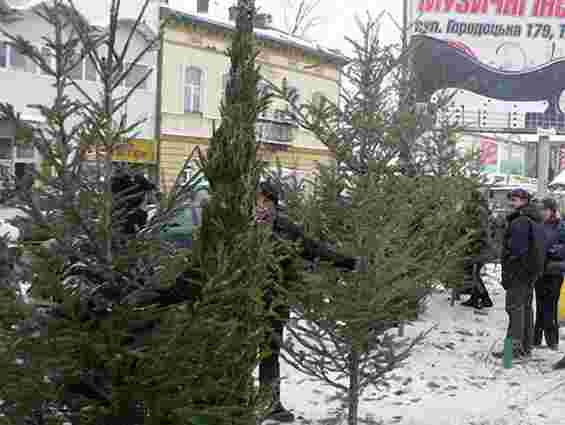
{"x": 517, "y": 255}
{"x": 287, "y": 231}
{"x": 310, "y": 249}
{"x": 555, "y": 243}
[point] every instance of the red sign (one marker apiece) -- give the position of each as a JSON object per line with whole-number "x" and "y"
{"x": 489, "y": 150}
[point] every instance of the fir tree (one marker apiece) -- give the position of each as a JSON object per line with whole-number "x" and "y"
{"x": 393, "y": 197}
{"x": 144, "y": 333}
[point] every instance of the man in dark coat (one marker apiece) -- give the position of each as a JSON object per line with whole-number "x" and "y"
{"x": 478, "y": 254}
{"x": 129, "y": 192}
{"x": 284, "y": 230}
{"x": 523, "y": 258}
{"x": 548, "y": 287}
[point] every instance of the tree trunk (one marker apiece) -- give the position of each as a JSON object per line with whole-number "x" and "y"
{"x": 353, "y": 396}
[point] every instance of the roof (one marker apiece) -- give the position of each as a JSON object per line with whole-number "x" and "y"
{"x": 102, "y": 24}
{"x": 265, "y": 34}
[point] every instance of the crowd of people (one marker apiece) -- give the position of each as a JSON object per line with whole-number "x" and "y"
{"x": 532, "y": 256}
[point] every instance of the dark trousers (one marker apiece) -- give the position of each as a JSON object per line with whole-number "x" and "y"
{"x": 269, "y": 368}
{"x": 548, "y": 289}
{"x": 519, "y": 300}
{"x": 473, "y": 275}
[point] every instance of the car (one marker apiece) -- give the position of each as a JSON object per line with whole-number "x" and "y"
{"x": 180, "y": 229}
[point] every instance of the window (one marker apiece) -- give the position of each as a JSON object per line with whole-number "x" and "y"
{"x": 19, "y": 61}
{"x": 5, "y": 148}
{"x": 137, "y": 73}
{"x": 25, "y": 150}
{"x": 192, "y": 89}
{"x": 274, "y": 132}
{"x": 4, "y": 55}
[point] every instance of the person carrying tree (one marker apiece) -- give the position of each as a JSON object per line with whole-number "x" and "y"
{"x": 268, "y": 213}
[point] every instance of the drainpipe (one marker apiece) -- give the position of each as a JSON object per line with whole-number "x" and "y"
{"x": 159, "y": 100}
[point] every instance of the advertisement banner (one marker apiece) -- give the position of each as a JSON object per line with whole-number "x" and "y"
{"x": 488, "y": 151}
{"x": 137, "y": 151}
{"x": 506, "y": 51}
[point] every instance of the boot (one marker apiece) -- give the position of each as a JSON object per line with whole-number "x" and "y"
{"x": 280, "y": 414}
{"x": 538, "y": 334}
{"x": 471, "y": 302}
{"x": 486, "y": 301}
{"x": 552, "y": 338}
{"x": 518, "y": 353}
{"x": 560, "y": 364}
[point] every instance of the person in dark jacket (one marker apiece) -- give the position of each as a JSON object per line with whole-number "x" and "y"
{"x": 129, "y": 192}
{"x": 520, "y": 269}
{"x": 548, "y": 287}
{"x": 267, "y": 213}
{"x": 478, "y": 256}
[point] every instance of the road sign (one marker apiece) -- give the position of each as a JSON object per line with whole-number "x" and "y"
{"x": 547, "y": 132}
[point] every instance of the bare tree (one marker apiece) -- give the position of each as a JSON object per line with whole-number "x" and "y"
{"x": 300, "y": 16}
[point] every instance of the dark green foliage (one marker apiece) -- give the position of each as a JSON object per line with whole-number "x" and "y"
{"x": 395, "y": 198}
{"x": 173, "y": 331}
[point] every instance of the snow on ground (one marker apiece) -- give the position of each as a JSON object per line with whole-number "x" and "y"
{"x": 452, "y": 377}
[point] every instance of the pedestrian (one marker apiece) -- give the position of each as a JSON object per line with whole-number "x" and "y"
{"x": 130, "y": 190}
{"x": 523, "y": 260}
{"x": 548, "y": 287}
{"x": 268, "y": 213}
{"x": 479, "y": 255}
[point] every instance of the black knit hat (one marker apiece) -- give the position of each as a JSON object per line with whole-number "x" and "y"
{"x": 549, "y": 204}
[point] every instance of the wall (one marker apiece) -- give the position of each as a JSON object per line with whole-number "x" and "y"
{"x": 22, "y": 89}
{"x": 187, "y": 45}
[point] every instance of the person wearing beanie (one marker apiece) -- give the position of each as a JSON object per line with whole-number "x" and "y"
{"x": 523, "y": 261}
{"x": 268, "y": 213}
{"x": 548, "y": 287}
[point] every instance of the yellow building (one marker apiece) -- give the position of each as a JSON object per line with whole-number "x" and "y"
{"x": 194, "y": 74}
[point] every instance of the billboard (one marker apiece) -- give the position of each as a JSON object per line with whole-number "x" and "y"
{"x": 509, "y": 52}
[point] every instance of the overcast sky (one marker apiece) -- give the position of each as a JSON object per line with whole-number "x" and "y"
{"x": 338, "y": 17}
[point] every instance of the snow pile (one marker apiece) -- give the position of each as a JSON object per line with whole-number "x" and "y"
{"x": 452, "y": 378}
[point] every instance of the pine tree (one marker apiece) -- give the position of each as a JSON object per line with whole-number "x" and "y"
{"x": 145, "y": 333}
{"x": 393, "y": 197}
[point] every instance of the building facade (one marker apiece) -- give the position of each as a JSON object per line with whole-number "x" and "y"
{"x": 194, "y": 75}
{"x": 22, "y": 84}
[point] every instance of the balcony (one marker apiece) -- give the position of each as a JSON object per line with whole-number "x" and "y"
{"x": 275, "y": 126}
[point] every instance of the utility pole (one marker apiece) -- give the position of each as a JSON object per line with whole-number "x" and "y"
{"x": 544, "y": 144}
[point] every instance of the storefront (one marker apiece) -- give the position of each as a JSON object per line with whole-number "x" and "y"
{"x": 138, "y": 154}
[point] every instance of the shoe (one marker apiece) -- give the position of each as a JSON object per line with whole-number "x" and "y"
{"x": 516, "y": 354}
{"x": 553, "y": 347}
{"x": 487, "y": 302}
{"x": 471, "y": 302}
{"x": 280, "y": 414}
{"x": 560, "y": 364}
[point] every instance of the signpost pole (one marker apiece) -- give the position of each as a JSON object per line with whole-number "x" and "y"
{"x": 543, "y": 162}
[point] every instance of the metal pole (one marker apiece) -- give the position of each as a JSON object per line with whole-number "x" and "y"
{"x": 543, "y": 165}
{"x": 159, "y": 100}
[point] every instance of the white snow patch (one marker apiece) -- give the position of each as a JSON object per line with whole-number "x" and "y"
{"x": 452, "y": 377}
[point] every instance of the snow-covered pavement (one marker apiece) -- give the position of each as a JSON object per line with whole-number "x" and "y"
{"x": 452, "y": 377}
